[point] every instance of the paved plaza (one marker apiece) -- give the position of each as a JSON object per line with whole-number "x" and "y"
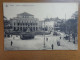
{"x": 38, "y": 43}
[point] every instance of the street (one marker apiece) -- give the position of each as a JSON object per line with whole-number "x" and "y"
{"x": 38, "y": 43}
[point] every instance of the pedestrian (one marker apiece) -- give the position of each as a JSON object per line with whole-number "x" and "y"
{"x": 60, "y": 37}
{"x": 13, "y": 37}
{"x": 58, "y": 43}
{"x": 52, "y": 46}
{"x": 74, "y": 35}
{"x": 46, "y": 39}
{"x": 11, "y": 43}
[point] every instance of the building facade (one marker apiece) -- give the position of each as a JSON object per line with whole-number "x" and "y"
{"x": 52, "y": 24}
{"x": 49, "y": 24}
{"x": 25, "y": 22}
{"x": 57, "y": 24}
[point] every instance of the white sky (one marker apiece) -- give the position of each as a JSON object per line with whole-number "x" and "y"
{"x": 41, "y": 10}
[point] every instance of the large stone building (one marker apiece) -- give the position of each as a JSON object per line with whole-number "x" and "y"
{"x": 49, "y": 24}
{"x": 52, "y": 24}
{"x": 25, "y": 22}
{"x": 57, "y": 24}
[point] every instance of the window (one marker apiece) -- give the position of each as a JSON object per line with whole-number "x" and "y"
{"x": 18, "y": 24}
{"x": 14, "y": 23}
{"x": 14, "y": 28}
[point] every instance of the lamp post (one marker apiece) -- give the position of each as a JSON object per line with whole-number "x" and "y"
{"x": 44, "y": 34}
{"x": 66, "y": 24}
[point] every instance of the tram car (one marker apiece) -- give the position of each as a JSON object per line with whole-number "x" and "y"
{"x": 27, "y": 35}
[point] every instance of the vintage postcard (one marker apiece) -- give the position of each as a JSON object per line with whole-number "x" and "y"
{"x": 40, "y": 26}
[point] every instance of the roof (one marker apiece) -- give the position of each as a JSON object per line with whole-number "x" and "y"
{"x": 26, "y": 14}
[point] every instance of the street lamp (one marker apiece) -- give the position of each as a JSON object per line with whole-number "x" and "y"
{"x": 44, "y": 34}
{"x": 66, "y": 24}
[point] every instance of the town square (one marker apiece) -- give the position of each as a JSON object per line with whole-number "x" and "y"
{"x": 30, "y": 26}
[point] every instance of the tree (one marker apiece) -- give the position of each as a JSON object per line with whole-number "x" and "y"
{"x": 70, "y": 26}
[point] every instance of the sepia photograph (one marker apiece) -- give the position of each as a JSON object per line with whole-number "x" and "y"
{"x": 40, "y": 26}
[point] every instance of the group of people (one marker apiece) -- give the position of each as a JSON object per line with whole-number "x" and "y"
{"x": 52, "y": 46}
{"x": 58, "y": 43}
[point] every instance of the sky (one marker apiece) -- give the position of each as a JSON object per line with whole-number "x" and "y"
{"x": 40, "y": 10}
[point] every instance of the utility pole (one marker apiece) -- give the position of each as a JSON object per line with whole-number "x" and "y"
{"x": 65, "y": 21}
{"x": 44, "y": 34}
